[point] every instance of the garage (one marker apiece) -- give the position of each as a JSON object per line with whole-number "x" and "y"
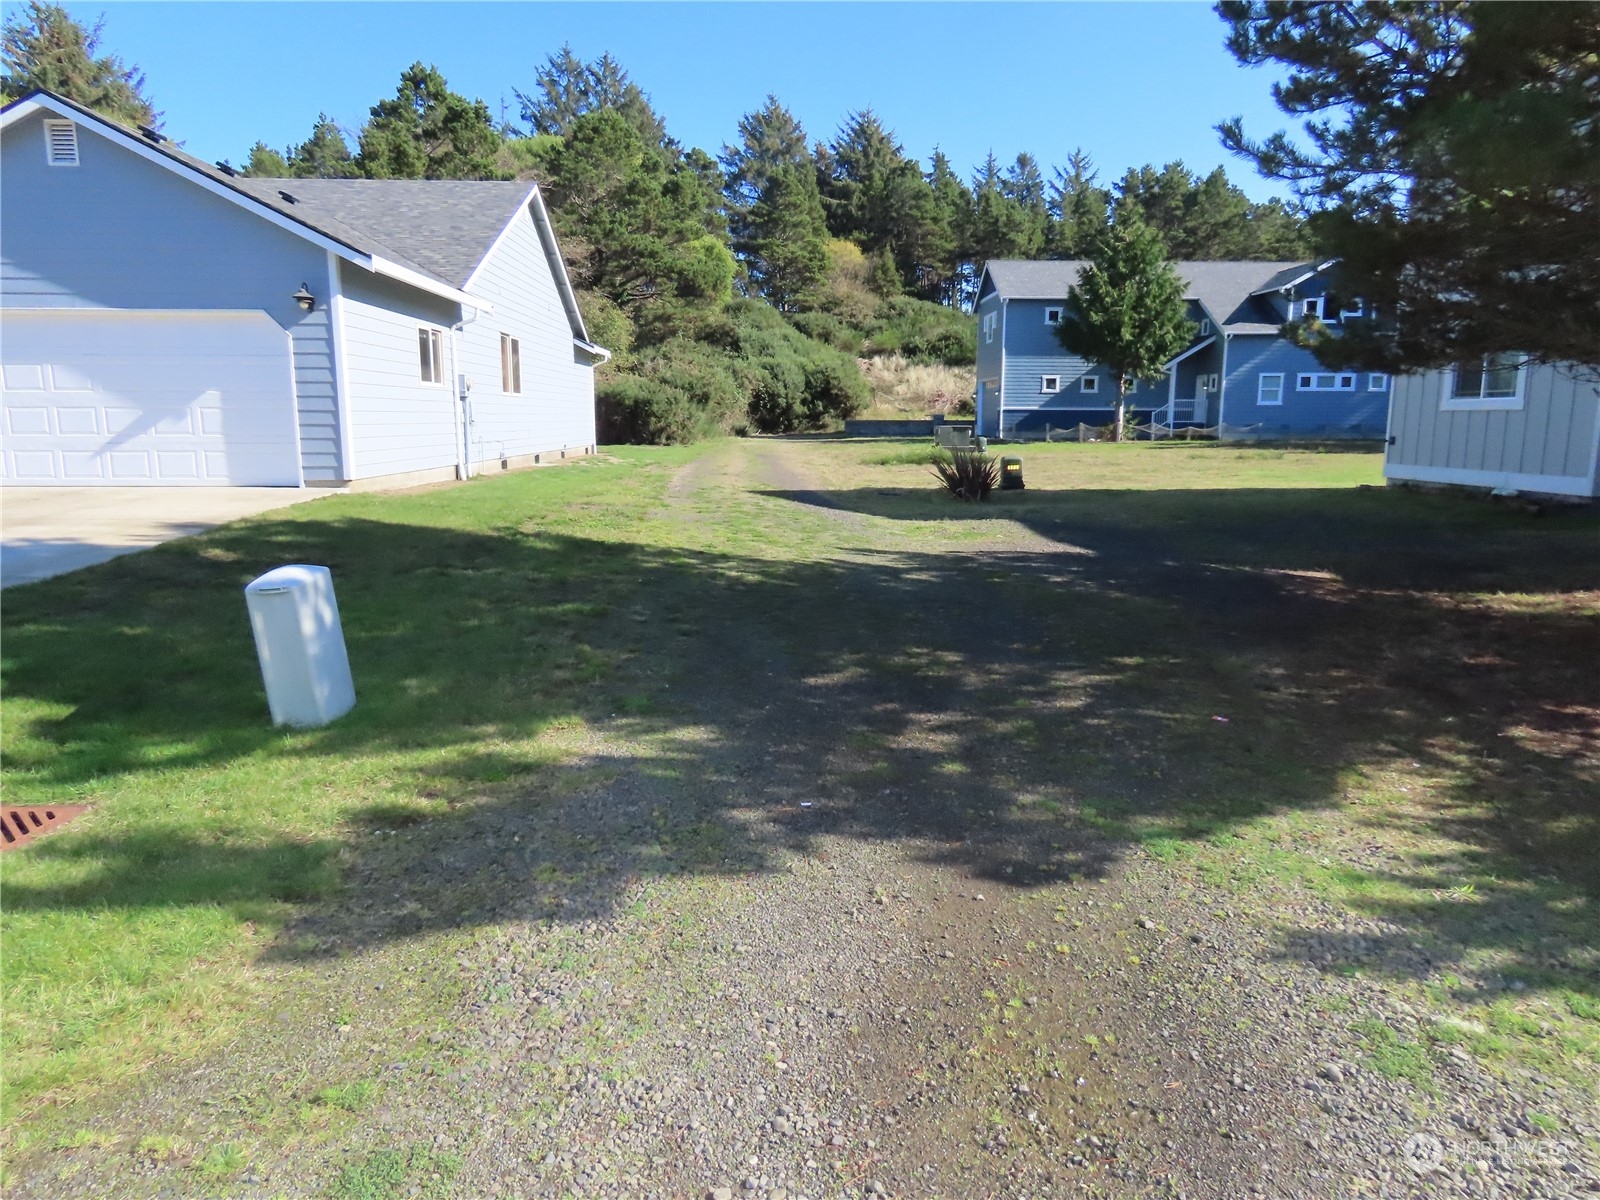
{"x": 158, "y": 397}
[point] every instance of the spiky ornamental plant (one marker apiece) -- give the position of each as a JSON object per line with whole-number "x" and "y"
{"x": 968, "y": 474}
{"x": 1126, "y": 312}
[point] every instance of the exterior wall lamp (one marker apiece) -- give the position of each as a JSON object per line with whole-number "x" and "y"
{"x": 305, "y": 299}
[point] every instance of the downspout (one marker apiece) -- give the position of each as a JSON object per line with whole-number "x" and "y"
{"x": 463, "y": 389}
{"x": 1222, "y": 384}
{"x": 1000, "y": 410}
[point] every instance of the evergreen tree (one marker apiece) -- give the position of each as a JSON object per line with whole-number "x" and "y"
{"x": 323, "y": 155}
{"x": 1078, "y": 208}
{"x": 949, "y": 278}
{"x": 566, "y": 88}
{"x": 1001, "y": 227}
{"x": 788, "y": 239}
{"x": 265, "y": 163}
{"x": 876, "y": 196}
{"x": 1159, "y": 198}
{"x": 1127, "y": 311}
{"x": 41, "y": 46}
{"x": 429, "y": 132}
{"x": 1452, "y": 157}
{"x": 1215, "y": 221}
{"x": 1024, "y": 184}
{"x": 770, "y": 141}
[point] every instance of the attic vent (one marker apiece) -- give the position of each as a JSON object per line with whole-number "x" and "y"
{"x": 61, "y": 143}
{"x": 152, "y": 134}
{"x": 288, "y": 197}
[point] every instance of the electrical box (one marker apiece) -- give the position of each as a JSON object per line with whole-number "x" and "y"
{"x": 300, "y": 644}
{"x": 1010, "y": 474}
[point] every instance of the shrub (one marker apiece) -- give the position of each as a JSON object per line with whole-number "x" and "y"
{"x": 924, "y": 332}
{"x": 969, "y": 475}
{"x": 829, "y": 330}
{"x": 680, "y": 393}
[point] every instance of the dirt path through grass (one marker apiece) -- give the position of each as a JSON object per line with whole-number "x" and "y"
{"x": 881, "y": 847}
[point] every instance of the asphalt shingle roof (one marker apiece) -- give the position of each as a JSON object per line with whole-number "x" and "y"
{"x": 442, "y": 227}
{"x": 1227, "y": 289}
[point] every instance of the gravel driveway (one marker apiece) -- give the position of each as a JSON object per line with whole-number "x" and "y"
{"x": 887, "y": 987}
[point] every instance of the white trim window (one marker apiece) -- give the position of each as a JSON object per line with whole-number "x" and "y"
{"x": 990, "y": 320}
{"x": 1049, "y": 384}
{"x": 1325, "y": 381}
{"x": 61, "y": 143}
{"x": 510, "y": 365}
{"x": 1377, "y": 381}
{"x": 1311, "y": 307}
{"x": 1269, "y": 388}
{"x": 1089, "y": 385}
{"x": 430, "y": 354}
{"x": 1130, "y": 386}
{"x": 1494, "y": 381}
{"x": 1205, "y": 327}
{"x": 1052, "y": 315}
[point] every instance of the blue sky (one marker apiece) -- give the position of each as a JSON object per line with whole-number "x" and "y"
{"x": 1130, "y": 82}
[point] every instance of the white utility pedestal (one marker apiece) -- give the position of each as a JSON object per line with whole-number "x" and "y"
{"x": 301, "y": 646}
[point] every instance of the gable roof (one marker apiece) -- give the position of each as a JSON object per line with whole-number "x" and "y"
{"x": 430, "y": 233}
{"x": 1227, "y": 290}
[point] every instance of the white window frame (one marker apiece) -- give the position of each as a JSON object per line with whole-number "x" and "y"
{"x": 1205, "y": 327}
{"x": 1130, "y": 386}
{"x": 990, "y": 320}
{"x": 1052, "y": 315}
{"x": 432, "y": 338}
{"x": 51, "y": 129}
{"x": 1450, "y": 401}
{"x": 1311, "y": 306}
{"x": 1089, "y": 385}
{"x": 1049, "y": 385}
{"x": 1360, "y": 310}
{"x": 1343, "y": 381}
{"x": 1261, "y": 387}
{"x": 510, "y": 365}
{"x": 1377, "y": 381}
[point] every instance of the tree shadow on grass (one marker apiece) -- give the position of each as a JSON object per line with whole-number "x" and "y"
{"x": 548, "y": 719}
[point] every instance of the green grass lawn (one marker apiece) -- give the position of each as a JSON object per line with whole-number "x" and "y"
{"x": 1422, "y": 665}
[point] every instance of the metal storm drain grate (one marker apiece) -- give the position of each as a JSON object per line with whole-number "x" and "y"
{"x": 21, "y": 824}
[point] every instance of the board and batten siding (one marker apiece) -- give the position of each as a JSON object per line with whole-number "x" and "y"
{"x": 120, "y": 232}
{"x": 555, "y": 410}
{"x": 398, "y": 422}
{"x": 1550, "y": 444}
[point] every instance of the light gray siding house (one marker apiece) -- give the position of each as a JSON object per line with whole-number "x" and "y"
{"x": 1498, "y": 425}
{"x": 165, "y": 321}
{"x": 1239, "y": 373}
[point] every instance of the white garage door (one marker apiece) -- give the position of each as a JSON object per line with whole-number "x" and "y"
{"x": 160, "y": 398}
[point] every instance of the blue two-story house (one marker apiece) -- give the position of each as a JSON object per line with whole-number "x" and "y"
{"x": 1239, "y": 372}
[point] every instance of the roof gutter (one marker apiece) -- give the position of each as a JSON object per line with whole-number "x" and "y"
{"x": 600, "y": 354}
{"x": 393, "y": 270}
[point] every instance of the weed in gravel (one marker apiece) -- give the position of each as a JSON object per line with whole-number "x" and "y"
{"x": 223, "y": 1161}
{"x": 384, "y": 1174}
{"x": 1394, "y": 1056}
{"x": 352, "y": 1096}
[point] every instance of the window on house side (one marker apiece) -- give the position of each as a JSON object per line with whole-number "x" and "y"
{"x": 430, "y": 355}
{"x": 1315, "y": 381}
{"x": 1311, "y": 307}
{"x": 1049, "y": 383}
{"x": 510, "y": 365}
{"x": 1377, "y": 381}
{"x": 1089, "y": 384}
{"x": 1052, "y": 316}
{"x": 1492, "y": 377}
{"x": 1270, "y": 389}
{"x": 1205, "y": 327}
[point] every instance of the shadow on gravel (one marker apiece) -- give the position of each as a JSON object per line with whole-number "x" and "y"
{"x": 1025, "y": 716}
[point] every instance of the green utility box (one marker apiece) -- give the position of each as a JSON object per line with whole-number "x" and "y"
{"x": 1011, "y": 474}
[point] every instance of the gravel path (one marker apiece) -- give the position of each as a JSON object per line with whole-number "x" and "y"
{"x": 881, "y": 990}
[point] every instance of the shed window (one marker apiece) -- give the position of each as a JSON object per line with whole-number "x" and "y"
{"x": 1311, "y": 307}
{"x": 510, "y": 365}
{"x": 1269, "y": 390}
{"x": 1049, "y": 383}
{"x": 1377, "y": 382}
{"x": 430, "y": 355}
{"x": 1493, "y": 381}
{"x": 61, "y": 143}
{"x": 1052, "y": 316}
{"x": 1313, "y": 381}
{"x": 1089, "y": 384}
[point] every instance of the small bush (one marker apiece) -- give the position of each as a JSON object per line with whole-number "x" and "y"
{"x": 924, "y": 332}
{"x": 829, "y": 330}
{"x": 969, "y": 475}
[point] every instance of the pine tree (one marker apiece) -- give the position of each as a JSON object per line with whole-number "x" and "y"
{"x": 1001, "y": 227}
{"x": 1078, "y": 208}
{"x": 265, "y": 163}
{"x": 429, "y": 132}
{"x": 566, "y": 88}
{"x": 949, "y": 278}
{"x": 788, "y": 253}
{"x": 1127, "y": 310}
{"x": 41, "y": 46}
{"x": 323, "y": 155}
{"x": 770, "y": 140}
